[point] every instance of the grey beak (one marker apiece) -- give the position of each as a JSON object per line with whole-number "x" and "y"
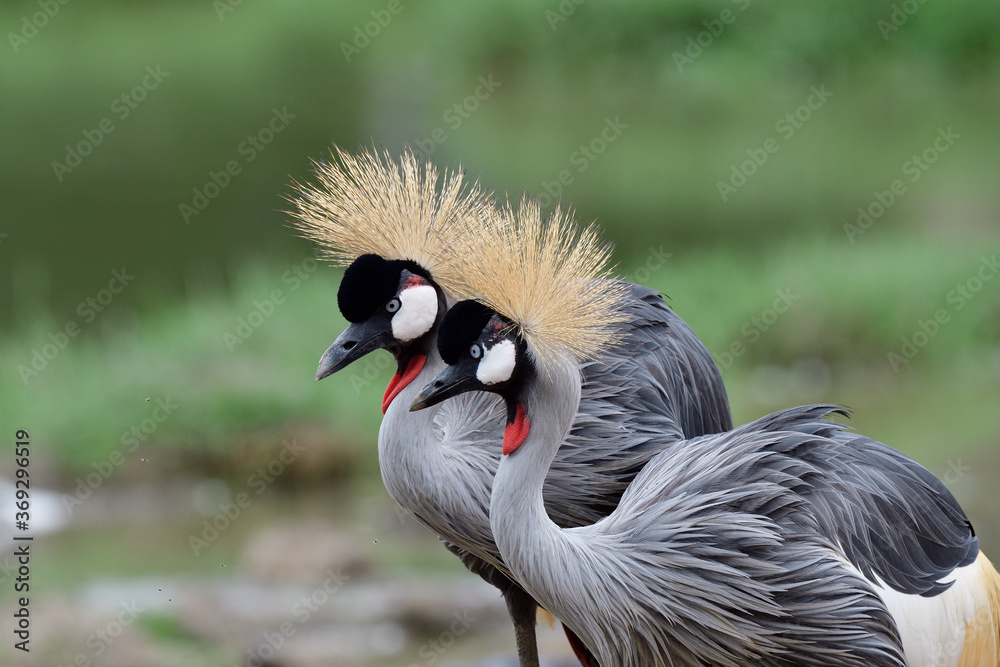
{"x": 356, "y": 341}
{"x": 452, "y": 381}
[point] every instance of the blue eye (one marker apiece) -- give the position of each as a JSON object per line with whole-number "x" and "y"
{"x": 393, "y": 305}
{"x": 475, "y": 351}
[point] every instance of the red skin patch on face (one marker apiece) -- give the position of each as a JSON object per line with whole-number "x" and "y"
{"x": 515, "y": 433}
{"x": 399, "y": 381}
{"x": 414, "y": 281}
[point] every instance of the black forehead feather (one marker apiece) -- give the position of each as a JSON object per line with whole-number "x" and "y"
{"x": 461, "y": 326}
{"x": 369, "y": 282}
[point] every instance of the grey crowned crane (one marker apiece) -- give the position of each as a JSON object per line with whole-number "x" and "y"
{"x": 787, "y": 541}
{"x": 394, "y": 226}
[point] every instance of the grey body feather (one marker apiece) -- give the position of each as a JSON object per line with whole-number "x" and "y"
{"x": 714, "y": 555}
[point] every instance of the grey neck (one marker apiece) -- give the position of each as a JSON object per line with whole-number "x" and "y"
{"x": 434, "y": 464}
{"x": 520, "y": 524}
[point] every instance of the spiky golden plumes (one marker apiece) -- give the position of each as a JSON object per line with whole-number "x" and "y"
{"x": 369, "y": 203}
{"x": 549, "y": 277}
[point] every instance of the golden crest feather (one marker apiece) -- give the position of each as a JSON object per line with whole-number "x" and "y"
{"x": 369, "y": 203}
{"x": 550, "y": 277}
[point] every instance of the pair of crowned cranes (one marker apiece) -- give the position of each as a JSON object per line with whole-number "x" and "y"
{"x": 585, "y": 460}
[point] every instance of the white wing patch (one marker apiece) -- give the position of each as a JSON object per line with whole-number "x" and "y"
{"x": 933, "y": 628}
{"x": 497, "y": 363}
{"x": 416, "y": 314}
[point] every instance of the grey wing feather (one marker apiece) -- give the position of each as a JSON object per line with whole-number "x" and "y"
{"x": 677, "y": 362}
{"x": 659, "y": 386}
{"x": 719, "y": 553}
{"x": 890, "y": 515}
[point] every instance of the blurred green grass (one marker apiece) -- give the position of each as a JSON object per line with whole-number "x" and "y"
{"x": 241, "y": 391}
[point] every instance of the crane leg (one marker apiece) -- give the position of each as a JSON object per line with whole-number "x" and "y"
{"x": 523, "y": 609}
{"x": 521, "y": 606}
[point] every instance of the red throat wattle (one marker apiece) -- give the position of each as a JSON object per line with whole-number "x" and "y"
{"x": 516, "y": 431}
{"x": 399, "y": 381}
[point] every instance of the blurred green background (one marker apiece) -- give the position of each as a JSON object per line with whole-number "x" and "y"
{"x": 814, "y": 185}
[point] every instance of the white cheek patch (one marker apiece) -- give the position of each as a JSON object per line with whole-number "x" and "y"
{"x": 497, "y": 363}
{"x": 416, "y": 314}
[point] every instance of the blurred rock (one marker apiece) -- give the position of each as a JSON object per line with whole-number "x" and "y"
{"x": 317, "y": 547}
{"x": 323, "y": 647}
{"x": 356, "y": 621}
{"x": 68, "y": 632}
